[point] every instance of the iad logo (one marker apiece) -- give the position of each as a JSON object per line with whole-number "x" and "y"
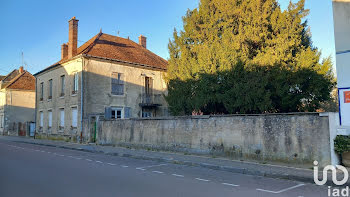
{"x": 334, "y": 174}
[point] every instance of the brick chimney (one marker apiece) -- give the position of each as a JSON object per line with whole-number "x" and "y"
{"x": 142, "y": 41}
{"x": 72, "y": 37}
{"x": 64, "y": 50}
{"x": 21, "y": 69}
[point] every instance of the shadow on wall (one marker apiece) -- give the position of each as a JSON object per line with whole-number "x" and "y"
{"x": 97, "y": 91}
{"x": 16, "y": 120}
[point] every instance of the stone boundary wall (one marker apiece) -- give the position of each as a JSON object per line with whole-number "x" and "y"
{"x": 288, "y": 138}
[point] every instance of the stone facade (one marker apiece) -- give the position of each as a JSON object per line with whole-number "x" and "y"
{"x": 298, "y": 138}
{"x": 107, "y": 77}
{"x": 94, "y": 95}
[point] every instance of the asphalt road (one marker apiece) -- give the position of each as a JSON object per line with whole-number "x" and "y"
{"x": 32, "y": 170}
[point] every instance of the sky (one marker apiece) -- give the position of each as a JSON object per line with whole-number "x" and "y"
{"x": 38, "y": 28}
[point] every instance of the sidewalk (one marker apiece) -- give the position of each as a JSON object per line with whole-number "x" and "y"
{"x": 256, "y": 169}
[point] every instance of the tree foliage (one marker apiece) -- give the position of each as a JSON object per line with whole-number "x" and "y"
{"x": 248, "y": 56}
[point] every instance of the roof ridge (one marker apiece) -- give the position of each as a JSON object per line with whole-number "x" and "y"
{"x": 87, "y": 49}
{"x": 9, "y": 74}
{"x": 141, "y": 47}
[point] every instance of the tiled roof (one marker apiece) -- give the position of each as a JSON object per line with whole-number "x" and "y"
{"x": 116, "y": 48}
{"x": 23, "y": 81}
{"x": 10, "y": 76}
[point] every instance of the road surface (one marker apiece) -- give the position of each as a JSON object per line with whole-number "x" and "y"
{"x": 33, "y": 171}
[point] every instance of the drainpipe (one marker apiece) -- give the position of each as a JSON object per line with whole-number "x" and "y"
{"x": 82, "y": 100}
{"x": 36, "y": 106}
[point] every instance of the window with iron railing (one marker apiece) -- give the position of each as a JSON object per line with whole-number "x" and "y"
{"x": 117, "y": 83}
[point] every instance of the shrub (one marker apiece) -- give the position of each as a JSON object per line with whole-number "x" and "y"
{"x": 342, "y": 144}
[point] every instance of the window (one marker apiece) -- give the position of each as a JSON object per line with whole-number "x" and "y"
{"x": 50, "y": 89}
{"x": 112, "y": 113}
{"x": 50, "y": 118}
{"x": 61, "y": 118}
{"x": 75, "y": 83}
{"x": 116, "y": 113}
{"x": 74, "y": 117}
{"x": 41, "y": 119}
{"x": 62, "y": 85}
{"x": 41, "y": 91}
{"x": 117, "y": 84}
{"x": 146, "y": 114}
{"x": 148, "y": 85}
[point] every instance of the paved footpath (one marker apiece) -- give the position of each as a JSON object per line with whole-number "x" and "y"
{"x": 62, "y": 169}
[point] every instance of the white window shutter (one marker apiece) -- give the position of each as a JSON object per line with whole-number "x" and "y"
{"x": 41, "y": 119}
{"x": 74, "y": 117}
{"x": 62, "y": 118}
{"x": 50, "y": 118}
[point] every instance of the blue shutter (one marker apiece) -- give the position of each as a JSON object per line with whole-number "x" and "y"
{"x": 127, "y": 112}
{"x": 108, "y": 113}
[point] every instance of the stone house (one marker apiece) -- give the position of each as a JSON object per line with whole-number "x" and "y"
{"x": 107, "y": 77}
{"x": 17, "y": 102}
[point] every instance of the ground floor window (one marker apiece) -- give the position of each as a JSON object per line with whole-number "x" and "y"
{"x": 74, "y": 117}
{"x": 41, "y": 119}
{"x": 116, "y": 113}
{"x": 61, "y": 118}
{"x": 146, "y": 114}
{"x": 50, "y": 118}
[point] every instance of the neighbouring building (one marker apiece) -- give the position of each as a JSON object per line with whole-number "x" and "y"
{"x": 341, "y": 17}
{"x": 107, "y": 77}
{"x": 17, "y": 102}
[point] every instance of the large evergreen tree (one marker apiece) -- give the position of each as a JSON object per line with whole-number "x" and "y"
{"x": 267, "y": 49}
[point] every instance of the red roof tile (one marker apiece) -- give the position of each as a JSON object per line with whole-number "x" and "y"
{"x": 23, "y": 81}
{"x": 120, "y": 49}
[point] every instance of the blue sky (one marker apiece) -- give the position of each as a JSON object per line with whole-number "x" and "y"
{"x": 38, "y": 28}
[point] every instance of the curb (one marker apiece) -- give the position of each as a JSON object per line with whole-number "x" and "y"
{"x": 190, "y": 163}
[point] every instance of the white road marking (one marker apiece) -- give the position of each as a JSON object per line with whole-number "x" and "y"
{"x": 158, "y": 172}
{"x": 125, "y": 166}
{"x": 88, "y": 159}
{"x": 199, "y": 179}
{"x": 178, "y": 175}
{"x": 42, "y": 151}
{"x": 49, "y": 152}
{"x": 60, "y": 155}
{"x": 112, "y": 164}
{"x": 98, "y": 161}
{"x": 229, "y": 184}
{"x": 139, "y": 168}
{"x": 283, "y": 190}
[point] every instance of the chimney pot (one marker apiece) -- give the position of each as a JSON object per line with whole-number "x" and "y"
{"x": 142, "y": 41}
{"x": 21, "y": 69}
{"x": 64, "y": 50}
{"x": 72, "y": 37}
